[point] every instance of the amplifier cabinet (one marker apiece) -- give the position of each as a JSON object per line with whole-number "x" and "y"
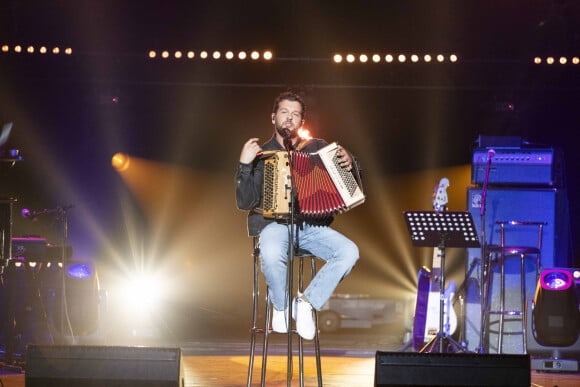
{"x": 504, "y": 204}
{"x": 518, "y": 167}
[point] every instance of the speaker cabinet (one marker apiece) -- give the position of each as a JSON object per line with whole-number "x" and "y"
{"x": 106, "y": 366}
{"x": 522, "y": 204}
{"x": 458, "y": 369}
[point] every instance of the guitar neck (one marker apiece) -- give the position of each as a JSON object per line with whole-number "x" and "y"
{"x": 436, "y": 270}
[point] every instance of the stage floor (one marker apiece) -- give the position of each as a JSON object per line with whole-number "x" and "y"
{"x": 225, "y": 363}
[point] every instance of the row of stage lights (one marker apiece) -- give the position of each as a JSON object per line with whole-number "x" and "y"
{"x": 268, "y": 55}
{"x": 553, "y": 60}
{"x": 390, "y": 58}
{"x": 18, "y": 49}
{"x": 216, "y": 55}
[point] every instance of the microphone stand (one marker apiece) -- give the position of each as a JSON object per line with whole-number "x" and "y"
{"x": 290, "y": 259}
{"x": 64, "y": 314}
{"x": 483, "y": 290}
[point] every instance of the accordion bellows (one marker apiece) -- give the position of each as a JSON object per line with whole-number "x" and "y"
{"x": 322, "y": 187}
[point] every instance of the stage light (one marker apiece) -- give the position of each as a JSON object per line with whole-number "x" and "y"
{"x": 414, "y": 58}
{"x": 165, "y": 54}
{"x": 255, "y": 55}
{"x": 389, "y": 58}
{"x": 142, "y": 292}
{"x": 203, "y": 54}
{"x": 363, "y": 58}
{"x": 68, "y": 51}
{"x": 79, "y": 270}
{"x": 402, "y": 58}
{"x": 304, "y": 133}
{"x": 268, "y": 55}
{"x": 121, "y": 161}
{"x": 427, "y": 58}
{"x": 350, "y": 58}
{"x": 229, "y": 55}
{"x": 178, "y": 54}
{"x": 537, "y": 60}
{"x": 216, "y": 55}
{"x": 56, "y": 50}
{"x": 376, "y": 58}
{"x": 440, "y": 58}
{"x": 190, "y": 55}
{"x": 242, "y": 55}
{"x": 43, "y": 50}
{"x": 556, "y": 316}
{"x": 18, "y": 49}
{"x": 337, "y": 58}
{"x": 550, "y": 60}
{"x": 5, "y": 48}
{"x": 575, "y": 60}
{"x": 453, "y": 58}
{"x": 152, "y": 54}
{"x": 563, "y": 60}
{"x": 30, "y": 49}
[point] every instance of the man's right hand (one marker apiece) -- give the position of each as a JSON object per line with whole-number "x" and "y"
{"x": 250, "y": 150}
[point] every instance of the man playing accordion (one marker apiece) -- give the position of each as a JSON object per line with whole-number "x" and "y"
{"x": 313, "y": 234}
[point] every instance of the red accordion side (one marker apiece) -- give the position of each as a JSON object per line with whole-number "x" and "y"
{"x": 317, "y": 194}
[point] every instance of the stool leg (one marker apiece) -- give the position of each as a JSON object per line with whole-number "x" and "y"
{"x": 523, "y": 299}
{"x": 255, "y": 296}
{"x": 501, "y": 304}
{"x": 316, "y": 343}
{"x": 266, "y": 337}
{"x": 300, "y": 341}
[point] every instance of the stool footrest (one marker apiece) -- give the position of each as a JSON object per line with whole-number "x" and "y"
{"x": 507, "y": 312}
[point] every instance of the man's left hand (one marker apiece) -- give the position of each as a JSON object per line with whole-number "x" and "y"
{"x": 344, "y": 159}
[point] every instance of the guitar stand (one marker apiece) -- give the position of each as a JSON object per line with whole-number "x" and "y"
{"x": 441, "y": 229}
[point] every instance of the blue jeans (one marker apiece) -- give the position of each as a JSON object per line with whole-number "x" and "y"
{"x": 339, "y": 252}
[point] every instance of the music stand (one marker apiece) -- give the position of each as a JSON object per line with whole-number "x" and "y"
{"x": 441, "y": 229}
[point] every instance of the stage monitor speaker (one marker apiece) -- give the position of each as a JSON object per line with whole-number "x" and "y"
{"x": 553, "y": 358}
{"x": 451, "y": 369}
{"x": 522, "y": 204}
{"x": 104, "y": 366}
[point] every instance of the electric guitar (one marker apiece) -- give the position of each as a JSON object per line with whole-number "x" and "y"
{"x": 426, "y": 322}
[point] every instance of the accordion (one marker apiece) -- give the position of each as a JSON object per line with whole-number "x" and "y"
{"x": 321, "y": 186}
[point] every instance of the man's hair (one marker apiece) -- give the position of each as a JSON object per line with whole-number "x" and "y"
{"x": 289, "y": 96}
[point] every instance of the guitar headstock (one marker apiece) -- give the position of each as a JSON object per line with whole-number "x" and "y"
{"x": 440, "y": 195}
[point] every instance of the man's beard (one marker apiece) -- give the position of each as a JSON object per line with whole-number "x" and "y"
{"x": 286, "y": 131}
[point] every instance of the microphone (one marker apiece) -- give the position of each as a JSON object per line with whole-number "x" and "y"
{"x": 287, "y": 136}
{"x": 490, "y": 153}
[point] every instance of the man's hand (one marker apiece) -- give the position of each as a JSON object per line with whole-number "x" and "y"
{"x": 344, "y": 159}
{"x": 250, "y": 150}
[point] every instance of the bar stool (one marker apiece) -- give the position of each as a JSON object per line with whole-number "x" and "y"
{"x": 502, "y": 251}
{"x": 266, "y": 329}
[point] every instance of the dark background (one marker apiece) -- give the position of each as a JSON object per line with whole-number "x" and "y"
{"x": 408, "y": 123}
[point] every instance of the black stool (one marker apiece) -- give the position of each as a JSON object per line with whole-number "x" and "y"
{"x": 301, "y": 255}
{"x": 502, "y": 251}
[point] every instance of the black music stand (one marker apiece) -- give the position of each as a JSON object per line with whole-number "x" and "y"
{"x": 441, "y": 229}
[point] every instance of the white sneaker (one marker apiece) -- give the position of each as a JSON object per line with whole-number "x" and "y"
{"x": 279, "y": 321}
{"x": 303, "y": 312}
